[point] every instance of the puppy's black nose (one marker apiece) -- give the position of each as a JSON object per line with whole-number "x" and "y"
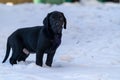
{"x": 57, "y": 24}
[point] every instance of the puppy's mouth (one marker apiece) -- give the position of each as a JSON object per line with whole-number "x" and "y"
{"x": 57, "y": 31}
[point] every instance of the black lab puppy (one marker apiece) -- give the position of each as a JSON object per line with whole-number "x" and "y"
{"x": 39, "y": 40}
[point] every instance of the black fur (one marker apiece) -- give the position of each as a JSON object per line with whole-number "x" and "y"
{"x": 39, "y": 40}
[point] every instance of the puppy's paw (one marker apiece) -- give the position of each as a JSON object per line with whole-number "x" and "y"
{"x": 49, "y": 65}
{"x": 45, "y": 66}
{"x": 12, "y": 61}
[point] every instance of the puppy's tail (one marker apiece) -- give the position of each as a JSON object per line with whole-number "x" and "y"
{"x": 7, "y": 52}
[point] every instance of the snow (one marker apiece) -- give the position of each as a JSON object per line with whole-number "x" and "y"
{"x": 90, "y": 48}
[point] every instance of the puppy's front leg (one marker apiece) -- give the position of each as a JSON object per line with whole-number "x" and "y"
{"x": 39, "y": 58}
{"x": 50, "y": 58}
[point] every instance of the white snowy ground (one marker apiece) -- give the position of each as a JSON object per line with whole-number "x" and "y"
{"x": 90, "y": 48}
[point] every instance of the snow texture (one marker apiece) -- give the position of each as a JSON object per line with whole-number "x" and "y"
{"x": 90, "y": 48}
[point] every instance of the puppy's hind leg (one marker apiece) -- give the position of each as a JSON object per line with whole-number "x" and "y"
{"x": 23, "y": 56}
{"x": 13, "y": 59}
{"x": 16, "y": 50}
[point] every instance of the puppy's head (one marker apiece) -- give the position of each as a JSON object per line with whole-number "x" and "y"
{"x": 56, "y": 21}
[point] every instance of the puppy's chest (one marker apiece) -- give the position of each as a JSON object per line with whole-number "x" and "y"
{"x": 56, "y": 40}
{"x": 54, "y": 43}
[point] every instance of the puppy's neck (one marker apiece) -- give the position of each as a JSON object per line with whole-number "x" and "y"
{"x": 48, "y": 33}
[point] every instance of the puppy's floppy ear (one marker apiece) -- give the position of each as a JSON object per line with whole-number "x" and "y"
{"x": 46, "y": 21}
{"x": 65, "y": 21}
